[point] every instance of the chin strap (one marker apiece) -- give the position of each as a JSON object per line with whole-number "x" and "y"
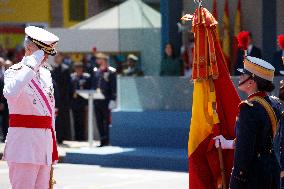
{"x": 243, "y": 82}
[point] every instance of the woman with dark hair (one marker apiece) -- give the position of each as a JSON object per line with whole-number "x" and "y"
{"x": 170, "y": 65}
{"x": 255, "y": 161}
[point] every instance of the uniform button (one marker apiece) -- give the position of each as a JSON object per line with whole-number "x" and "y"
{"x": 241, "y": 173}
{"x": 270, "y": 151}
{"x": 258, "y": 155}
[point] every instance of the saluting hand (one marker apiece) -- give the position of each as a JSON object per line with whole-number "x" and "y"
{"x": 36, "y": 59}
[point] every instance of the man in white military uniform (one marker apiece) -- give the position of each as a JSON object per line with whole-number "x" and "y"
{"x": 30, "y": 146}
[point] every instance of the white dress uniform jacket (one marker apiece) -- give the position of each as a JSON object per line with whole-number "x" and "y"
{"x": 28, "y": 145}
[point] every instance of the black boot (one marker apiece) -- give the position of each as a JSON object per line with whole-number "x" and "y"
{"x": 104, "y": 142}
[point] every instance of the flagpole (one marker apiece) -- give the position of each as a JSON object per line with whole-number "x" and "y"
{"x": 220, "y": 154}
{"x": 224, "y": 184}
{"x": 199, "y": 2}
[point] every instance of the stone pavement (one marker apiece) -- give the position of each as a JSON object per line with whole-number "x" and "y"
{"x": 70, "y": 176}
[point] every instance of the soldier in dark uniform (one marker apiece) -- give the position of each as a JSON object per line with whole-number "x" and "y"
{"x": 252, "y": 50}
{"x": 61, "y": 76}
{"x": 132, "y": 69}
{"x": 4, "y": 111}
{"x": 79, "y": 81}
{"x": 255, "y": 162}
{"x": 279, "y": 139}
{"x": 104, "y": 81}
{"x": 279, "y": 146}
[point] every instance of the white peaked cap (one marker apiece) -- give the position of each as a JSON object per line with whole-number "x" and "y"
{"x": 41, "y": 35}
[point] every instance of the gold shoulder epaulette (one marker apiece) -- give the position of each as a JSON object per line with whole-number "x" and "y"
{"x": 246, "y": 102}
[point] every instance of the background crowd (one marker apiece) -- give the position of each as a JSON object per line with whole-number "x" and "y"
{"x": 95, "y": 72}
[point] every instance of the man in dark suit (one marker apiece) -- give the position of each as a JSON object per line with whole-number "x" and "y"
{"x": 252, "y": 50}
{"x": 62, "y": 78}
{"x": 278, "y": 62}
{"x": 104, "y": 81}
{"x": 80, "y": 81}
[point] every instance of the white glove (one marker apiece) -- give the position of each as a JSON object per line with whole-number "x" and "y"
{"x": 34, "y": 61}
{"x": 112, "y": 105}
{"x": 38, "y": 56}
{"x": 225, "y": 144}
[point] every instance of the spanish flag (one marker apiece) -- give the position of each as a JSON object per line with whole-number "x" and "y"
{"x": 214, "y": 107}
{"x": 226, "y": 44}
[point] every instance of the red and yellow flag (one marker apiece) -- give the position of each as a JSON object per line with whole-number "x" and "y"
{"x": 214, "y": 106}
{"x": 237, "y": 30}
{"x": 226, "y": 44}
